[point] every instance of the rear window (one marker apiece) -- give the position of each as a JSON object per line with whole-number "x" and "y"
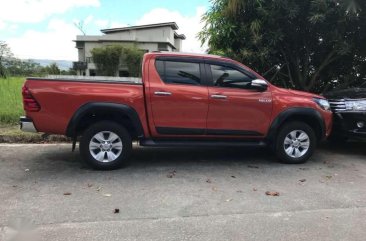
{"x": 174, "y": 72}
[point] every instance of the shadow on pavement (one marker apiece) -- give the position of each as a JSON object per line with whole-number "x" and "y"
{"x": 349, "y": 147}
{"x": 179, "y": 157}
{"x": 162, "y": 156}
{"x": 155, "y": 157}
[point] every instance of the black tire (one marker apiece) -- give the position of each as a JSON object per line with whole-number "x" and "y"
{"x": 285, "y": 130}
{"x": 107, "y": 127}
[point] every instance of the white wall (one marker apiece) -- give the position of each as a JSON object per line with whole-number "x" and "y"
{"x": 146, "y": 39}
{"x": 178, "y": 44}
{"x": 161, "y": 34}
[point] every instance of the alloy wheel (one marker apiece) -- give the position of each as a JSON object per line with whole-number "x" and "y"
{"x": 105, "y": 146}
{"x": 296, "y": 143}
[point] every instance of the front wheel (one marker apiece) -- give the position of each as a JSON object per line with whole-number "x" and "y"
{"x": 105, "y": 145}
{"x": 295, "y": 143}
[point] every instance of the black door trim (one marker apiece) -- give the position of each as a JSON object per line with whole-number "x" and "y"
{"x": 196, "y": 131}
{"x": 232, "y": 132}
{"x": 201, "y": 143}
{"x": 179, "y": 131}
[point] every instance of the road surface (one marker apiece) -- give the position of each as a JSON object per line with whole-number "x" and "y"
{"x": 183, "y": 194}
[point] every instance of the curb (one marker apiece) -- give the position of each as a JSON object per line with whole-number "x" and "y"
{"x": 33, "y": 139}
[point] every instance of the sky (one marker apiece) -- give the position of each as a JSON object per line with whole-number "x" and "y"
{"x": 44, "y": 29}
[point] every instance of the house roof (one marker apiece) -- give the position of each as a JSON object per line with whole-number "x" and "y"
{"x": 181, "y": 36}
{"x": 173, "y": 25}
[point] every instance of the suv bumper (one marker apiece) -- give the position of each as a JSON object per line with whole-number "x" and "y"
{"x": 27, "y": 125}
{"x": 345, "y": 124}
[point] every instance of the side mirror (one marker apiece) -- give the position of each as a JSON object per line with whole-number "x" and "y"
{"x": 259, "y": 84}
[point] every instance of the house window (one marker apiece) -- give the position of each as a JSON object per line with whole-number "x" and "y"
{"x": 162, "y": 46}
{"x": 92, "y": 72}
{"x": 80, "y": 45}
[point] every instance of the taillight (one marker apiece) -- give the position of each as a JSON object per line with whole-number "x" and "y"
{"x": 29, "y": 103}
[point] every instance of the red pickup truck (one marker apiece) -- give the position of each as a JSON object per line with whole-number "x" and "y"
{"x": 181, "y": 100}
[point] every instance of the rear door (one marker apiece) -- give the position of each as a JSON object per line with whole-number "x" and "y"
{"x": 178, "y": 97}
{"x": 235, "y": 108}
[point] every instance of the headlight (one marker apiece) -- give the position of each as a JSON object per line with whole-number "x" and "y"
{"x": 323, "y": 103}
{"x": 356, "y": 105}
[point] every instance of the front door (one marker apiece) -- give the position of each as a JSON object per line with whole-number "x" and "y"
{"x": 179, "y": 100}
{"x": 235, "y": 108}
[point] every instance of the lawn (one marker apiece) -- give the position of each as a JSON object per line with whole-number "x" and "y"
{"x": 11, "y": 106}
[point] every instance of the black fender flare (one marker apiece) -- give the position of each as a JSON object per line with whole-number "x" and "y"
{"x": 104, "y": 107}
{"x": 296, "y": 112}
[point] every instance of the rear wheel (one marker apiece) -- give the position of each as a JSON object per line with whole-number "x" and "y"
{"x": 105, "y": 145}
{"x": 295, "y": 143}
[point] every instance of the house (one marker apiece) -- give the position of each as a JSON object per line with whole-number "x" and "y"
{"x": 152, "y": 37}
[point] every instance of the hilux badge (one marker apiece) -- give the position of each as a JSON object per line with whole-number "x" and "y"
{"x": 265, "y": 100}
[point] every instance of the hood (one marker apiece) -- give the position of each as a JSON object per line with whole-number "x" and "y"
{"x": 300, "y": 93}
{"x": 352, "y": 93}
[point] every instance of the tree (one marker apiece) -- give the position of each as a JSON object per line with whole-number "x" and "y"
{"x": 311, "y": 45}
{"x": 5, "y": 56}
{"x": 17, "y": 67}
{"x": 133, "y": 59}
{"x": 52, "y": 69}
{"x": 70, "y": 71}
{"x": 80, "y": 26}
{"x": 108, "y": 59}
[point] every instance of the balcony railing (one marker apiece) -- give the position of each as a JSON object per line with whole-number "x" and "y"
{"x": 79, "y": 65}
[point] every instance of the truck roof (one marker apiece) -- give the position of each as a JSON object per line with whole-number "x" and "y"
{"x": 184, "y": 54}
{"x": 205, "y": 56}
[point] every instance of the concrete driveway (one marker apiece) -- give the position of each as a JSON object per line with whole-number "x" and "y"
{"x": 183, "y": 194}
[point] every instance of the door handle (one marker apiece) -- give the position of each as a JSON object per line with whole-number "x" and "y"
{"x": 162, "y": 93}
{"x": 218, "y": 96}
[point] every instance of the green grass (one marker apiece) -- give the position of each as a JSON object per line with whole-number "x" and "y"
{"x": 11, "y": 106}
{"x": 10, "y": 133}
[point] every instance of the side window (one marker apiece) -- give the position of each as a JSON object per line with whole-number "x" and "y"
{"x": 172, "y": 72}
{"x": 228, "y": 77}
{"x": 159, "y": 65}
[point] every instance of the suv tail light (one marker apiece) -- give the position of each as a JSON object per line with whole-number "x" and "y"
{"x": 29, "y": 103}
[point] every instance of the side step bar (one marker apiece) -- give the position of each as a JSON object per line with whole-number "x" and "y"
{"x": 184, "y": 143}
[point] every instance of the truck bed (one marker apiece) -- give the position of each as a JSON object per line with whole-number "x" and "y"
{"x": 78, "y": 78}
{"x": 61, "y": 96}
